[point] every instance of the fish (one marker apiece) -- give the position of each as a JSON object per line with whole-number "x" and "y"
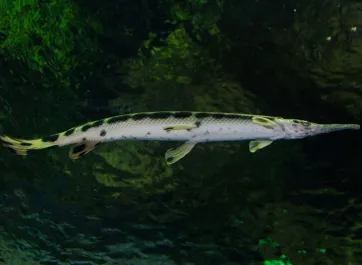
{"x": 188, "y": 127}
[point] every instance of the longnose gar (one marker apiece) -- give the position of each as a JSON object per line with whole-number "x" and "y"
{"x": 188, "y": 127}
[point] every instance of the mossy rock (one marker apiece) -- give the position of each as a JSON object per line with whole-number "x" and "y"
{"x": 47, "y": 36}
{"x": 330, "y": 48}
{"x": 133, "y": 169}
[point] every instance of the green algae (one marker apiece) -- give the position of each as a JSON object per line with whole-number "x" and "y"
{"x": 203, "y": 15}
{"x": 171, "y": 63}
{"x": 45, "y": 38}
{"x": 180, "y": 73}
{"x": 134, "y": 169}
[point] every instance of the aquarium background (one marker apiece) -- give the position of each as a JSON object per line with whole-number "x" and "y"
{"x": 64, "y": 63}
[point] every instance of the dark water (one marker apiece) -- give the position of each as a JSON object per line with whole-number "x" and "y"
{"x": 64, "y": 63}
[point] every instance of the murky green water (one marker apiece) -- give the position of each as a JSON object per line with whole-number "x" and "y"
{"x": 64, "y": 63}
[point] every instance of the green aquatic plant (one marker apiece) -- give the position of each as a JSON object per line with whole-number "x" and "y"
{"x": 203, "y": 15}
{"x": 165, "y": 71}
{"x": 45, "y": 38}
{"x": 173, "y": 62}
{"x": 277, "y": 262}
{"x": 180, "y": 68}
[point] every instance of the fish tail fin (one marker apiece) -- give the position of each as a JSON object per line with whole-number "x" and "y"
{"x": 22, "y": 146}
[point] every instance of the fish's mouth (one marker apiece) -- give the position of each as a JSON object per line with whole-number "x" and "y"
{"x": 328, "y": 128}
{"x": 311, "y": 129}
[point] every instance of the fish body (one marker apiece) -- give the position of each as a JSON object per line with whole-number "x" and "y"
{"x": 198, "y": 127}
{"x": 188, "y": 127}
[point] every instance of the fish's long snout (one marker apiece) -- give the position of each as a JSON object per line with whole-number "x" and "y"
{"x": 327, "y": 128}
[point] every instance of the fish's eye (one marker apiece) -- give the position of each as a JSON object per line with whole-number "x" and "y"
{"x": 306, "y": 123}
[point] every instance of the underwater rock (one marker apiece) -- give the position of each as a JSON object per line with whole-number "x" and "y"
{"x": 328, "y": 48}
{"x": 134, "y": 168}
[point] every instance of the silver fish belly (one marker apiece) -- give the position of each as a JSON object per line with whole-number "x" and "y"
{"x": 207, "y": 129}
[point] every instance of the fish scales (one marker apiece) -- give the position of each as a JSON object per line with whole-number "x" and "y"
{"x": 186, "y": 126}
{"x": 200, "y": 129}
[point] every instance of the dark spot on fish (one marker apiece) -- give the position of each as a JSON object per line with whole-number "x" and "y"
{"x": 268, "y": 127}
{"x": 219, "y": 116}
{"x": 69, "y": 132}
{"x": 306, "y": 123}
{"x": 159, "y": 115}
{"x": 86, "y": 127}
{"x": 148, "y": 133}
{"x": 120, "y": 118}
{"x": 169, "y": 159}
{"x": 198, "y": 123}
{"x": 26, "y": 144}
{"x": 103, "y": 133}
{"x": 201, "y": 115}
{"x": 167, "y": 129}
{"x": 282, "y": 126}
{"x": 139, "y": 116}
{"x": 182, "y": 115}
{"x": 97, "y": 123}
{"x": 79, "y": 148}
{"x": 296, "y": 121}
{"x": 51, "y": 138}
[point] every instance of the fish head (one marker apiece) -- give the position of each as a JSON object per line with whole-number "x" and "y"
{"x": 296, "y": 129}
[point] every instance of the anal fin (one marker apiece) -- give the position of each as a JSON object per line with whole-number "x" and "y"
{"x": 81, "y": 149}
{"x": 258, "y": 144}
{"x": 175, "y": 154}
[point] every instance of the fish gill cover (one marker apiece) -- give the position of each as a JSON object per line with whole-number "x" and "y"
{"x": 64, "y": 63}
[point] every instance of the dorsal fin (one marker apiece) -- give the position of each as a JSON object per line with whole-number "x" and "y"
{"x": 81, "y": 149}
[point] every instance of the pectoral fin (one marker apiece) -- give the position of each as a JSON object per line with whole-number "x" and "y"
{"x": 180, "y": 127}
{"x": 265, "y": 122}
{"x": 258, "y": 144}
{"x": 175, "y": 154}
{"x": 81, "y": 149}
